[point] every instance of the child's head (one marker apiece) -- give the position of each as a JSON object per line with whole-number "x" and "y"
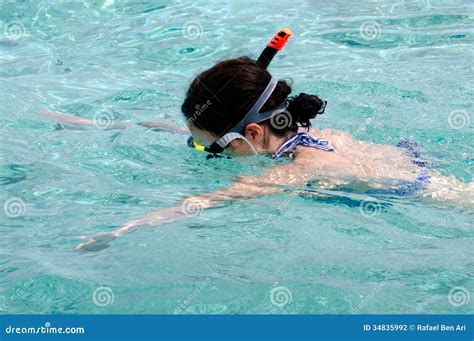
{"x": 219, "y": 98}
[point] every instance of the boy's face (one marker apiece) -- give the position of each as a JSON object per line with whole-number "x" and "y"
{"x": 202, "y": 137}
{"x": 250, "y": 145}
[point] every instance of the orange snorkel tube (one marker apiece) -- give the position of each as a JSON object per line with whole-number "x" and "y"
{"x": 274, "y": 45}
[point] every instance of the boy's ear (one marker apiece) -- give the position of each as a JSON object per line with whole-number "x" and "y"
{"x": 254, "y": 131}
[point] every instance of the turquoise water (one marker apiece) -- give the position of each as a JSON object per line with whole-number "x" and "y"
{"x": 389, "y": 70}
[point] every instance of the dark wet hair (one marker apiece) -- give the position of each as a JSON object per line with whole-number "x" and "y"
{"x": 220, "y": 97}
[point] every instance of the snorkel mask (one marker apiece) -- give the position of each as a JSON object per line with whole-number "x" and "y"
{"x": 253, "y": 115}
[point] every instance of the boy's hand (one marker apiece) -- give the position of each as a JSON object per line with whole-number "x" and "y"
{"x": 96, "y": 243}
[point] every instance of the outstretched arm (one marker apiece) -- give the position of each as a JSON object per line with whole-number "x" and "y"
{"x": 246, "y": 187}
{"x": 163, "y": 125}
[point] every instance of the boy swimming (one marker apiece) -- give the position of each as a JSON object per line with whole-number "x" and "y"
{"x": 236, "y": 108}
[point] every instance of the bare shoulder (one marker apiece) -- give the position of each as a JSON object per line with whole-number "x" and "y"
{"x": 307, "y": 157}
{"x": 293, "y": 173}
{"x": 332, "y": 133}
